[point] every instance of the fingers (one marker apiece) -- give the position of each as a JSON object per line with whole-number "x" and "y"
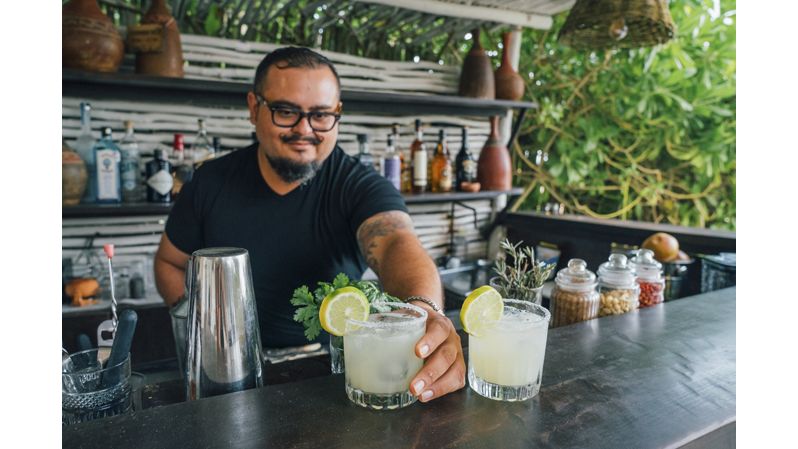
{"x": 443, "y": 371}
{"x": 452, "y": 380}
{"x": 439, "y": 328}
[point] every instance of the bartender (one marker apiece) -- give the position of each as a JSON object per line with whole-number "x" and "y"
{"x": 306, "y": 211}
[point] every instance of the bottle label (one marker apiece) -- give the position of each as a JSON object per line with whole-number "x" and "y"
{"x": 129, "y": 169}
{"x": 420, "y": 168}
{"x": 445, "y": 182}
{"x": 108, "y": 182}
{"x": 470, "y": 170}
{"x": 161, "y": 182}
{"x": 393, "y": 168}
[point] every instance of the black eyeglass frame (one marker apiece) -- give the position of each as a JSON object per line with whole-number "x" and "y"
{"x": 302, "y": 115}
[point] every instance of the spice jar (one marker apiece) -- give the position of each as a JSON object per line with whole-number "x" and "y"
{"x": 618, "y": 291}
{"x": 574, "y": 297}
{"x": 649, "y": 277}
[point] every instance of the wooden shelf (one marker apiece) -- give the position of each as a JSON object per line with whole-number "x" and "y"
{"x": 139, "y": 209}
{"x": 131, "y": 86}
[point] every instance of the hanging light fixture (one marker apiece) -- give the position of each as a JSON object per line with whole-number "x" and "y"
{"x": 597, "y": 24}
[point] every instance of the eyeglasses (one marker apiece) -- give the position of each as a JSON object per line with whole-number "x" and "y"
{"x": 286, "y": 117}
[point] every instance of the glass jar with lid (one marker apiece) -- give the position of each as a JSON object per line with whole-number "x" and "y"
{"x": 618, "y": 289}
{"x": 574, "y": 297}
{"x": 649, "y": 277}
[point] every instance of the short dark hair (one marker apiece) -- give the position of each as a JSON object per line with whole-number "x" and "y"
{"x": 291, "y": 57}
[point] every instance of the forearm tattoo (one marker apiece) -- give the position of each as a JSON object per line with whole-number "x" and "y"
{"x": 372, "y": 233}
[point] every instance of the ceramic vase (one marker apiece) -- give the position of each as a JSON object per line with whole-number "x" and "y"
{"x": 169, "y": 60}
{"x": 73, "y": 176}
{"x": 509, "y": 84}
{"x": 493, "y": 168}
{"x": 476, "y": 78}
{"x": 89, "y": 40}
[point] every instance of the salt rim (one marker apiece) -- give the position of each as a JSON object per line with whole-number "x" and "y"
{"x": 526, "y": 315}
{"x": 410, "y": 322}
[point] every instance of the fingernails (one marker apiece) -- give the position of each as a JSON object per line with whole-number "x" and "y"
{"x": 426, "y": 395}
{"x": 418, "y": 386}
{"x": 425, "y": 350}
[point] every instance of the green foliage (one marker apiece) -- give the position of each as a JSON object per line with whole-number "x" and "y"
{"x": 308, "y": 304}
{"x": 645, "y": 134}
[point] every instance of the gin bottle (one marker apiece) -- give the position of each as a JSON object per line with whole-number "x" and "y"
{"x": 85, "y": 148}
{"x": 159, "y": 179}
{"x": 201, "y": 148}
{"x": 108, "y": 158}
{"x": 364, "y": 155}
{"x": 184, "y": 167}
{"x": 392, "y": 164}
{"x": 132, "y": 187}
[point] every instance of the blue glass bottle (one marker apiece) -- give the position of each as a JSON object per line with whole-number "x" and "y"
{"x": 108, "y": 158}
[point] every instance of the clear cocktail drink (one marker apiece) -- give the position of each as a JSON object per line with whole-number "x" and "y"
{"x": 380, "y": 356}
{"x": 505, "y": 362}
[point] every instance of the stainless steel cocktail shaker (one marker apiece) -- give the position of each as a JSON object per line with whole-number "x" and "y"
{"x": 223, "y": 350}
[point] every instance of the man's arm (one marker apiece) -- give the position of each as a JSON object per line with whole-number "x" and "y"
{"x": 170, "y": 271}
{"x": 393, "y": 251}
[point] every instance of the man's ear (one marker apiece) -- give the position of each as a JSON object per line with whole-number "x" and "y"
{"x": 252, "y": 105}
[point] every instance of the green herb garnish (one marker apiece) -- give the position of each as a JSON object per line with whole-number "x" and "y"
{"x": 308, "y": 303}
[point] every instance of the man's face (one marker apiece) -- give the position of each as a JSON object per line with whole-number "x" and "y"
{"x": 297, "y": 151}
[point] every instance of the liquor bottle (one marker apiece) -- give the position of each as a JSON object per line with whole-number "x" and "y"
{"x": 465, "y": 164}
{"x": 364, "y": 156}
{"x": 392, "y": 164}
{"x": 406, "y": 173}
{"x": 159, "y": 179}
{"x": 85, "y": 148}
{"x": 441, "y": 166}
{"x": 202, "y": 148}
{"x": 217, "y": 147}
{"x": 130, "y": 169}
{"x": 418, "y": 156}
{"x": 184, "y": 165}
{"x": 108, "y": 158}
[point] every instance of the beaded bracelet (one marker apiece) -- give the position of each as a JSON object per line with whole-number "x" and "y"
{"x": 426, "y": 301}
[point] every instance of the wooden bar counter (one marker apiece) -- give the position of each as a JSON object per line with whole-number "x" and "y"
{"x": 660, "y": 377}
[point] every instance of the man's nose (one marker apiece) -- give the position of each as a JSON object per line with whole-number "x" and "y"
{"x": 303, "y": 127}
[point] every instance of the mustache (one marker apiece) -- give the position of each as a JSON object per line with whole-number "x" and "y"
{"x": 300, "y": 138}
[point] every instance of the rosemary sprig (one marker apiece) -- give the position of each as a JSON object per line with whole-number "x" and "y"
{"x": 525, "y": 274}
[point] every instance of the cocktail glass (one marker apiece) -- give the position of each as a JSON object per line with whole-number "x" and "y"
{"x": 505, "y": 362}
{"x": 380, "y": 356}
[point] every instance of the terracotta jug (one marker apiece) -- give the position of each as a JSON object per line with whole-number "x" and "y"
{"x": 509, "y": 84}
{"x": 493, "y": 168}
{"x": 476, "y": 79}
{"x": 73, "y": 176}
{"x": 169, "y": 60}
{"x": 89, "y": 40}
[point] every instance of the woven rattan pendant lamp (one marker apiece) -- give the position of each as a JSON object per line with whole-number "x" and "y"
{"x": 597, "y": 24}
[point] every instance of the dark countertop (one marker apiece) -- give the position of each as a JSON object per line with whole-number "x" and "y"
{"x": 659, "y": 377}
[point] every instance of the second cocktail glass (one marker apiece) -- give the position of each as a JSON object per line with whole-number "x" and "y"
{"x": 505, "y": 362}
{"x": 380, "y": 356}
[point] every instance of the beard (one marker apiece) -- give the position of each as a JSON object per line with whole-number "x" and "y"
{"x": 291, "y": 171}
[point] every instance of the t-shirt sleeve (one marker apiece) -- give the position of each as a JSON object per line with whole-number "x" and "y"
{"x": 371, "y": 194}
{"x": 184, "y": 225}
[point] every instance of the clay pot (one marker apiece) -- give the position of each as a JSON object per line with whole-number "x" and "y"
{"x": 509, "y": 84}
{"x": 73, "y": 176}
{"x": 169, "y": 60}
{"x": 89, "y": 40}
{"x": 476, "y": 79}
{"x": 493, "y": 168}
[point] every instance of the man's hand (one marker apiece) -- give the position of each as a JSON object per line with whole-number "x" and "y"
{"x": 393, "y": 251}
{"x": 444, "y": 365}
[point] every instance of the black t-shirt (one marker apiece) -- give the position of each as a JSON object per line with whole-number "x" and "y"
{"x": 306, "y": 236}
